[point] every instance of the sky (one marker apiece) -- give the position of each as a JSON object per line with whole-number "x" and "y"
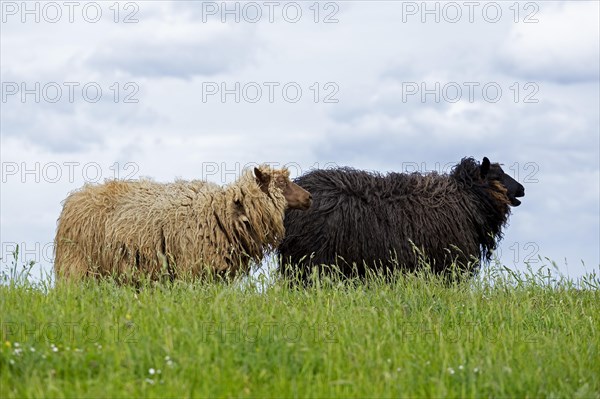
{"x": 201, "y": 90}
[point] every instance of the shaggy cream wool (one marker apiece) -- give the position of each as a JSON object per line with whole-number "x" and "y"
{"x": 132, "y": 228}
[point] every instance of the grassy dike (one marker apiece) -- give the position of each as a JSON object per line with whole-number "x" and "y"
{"x": 503, "y": 335}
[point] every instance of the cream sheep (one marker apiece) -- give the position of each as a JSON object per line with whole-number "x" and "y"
{"x": 132, "y": 228}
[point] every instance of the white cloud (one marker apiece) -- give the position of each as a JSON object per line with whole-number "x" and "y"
{"x": 176, "y": 47}
{"x": 563, "y": 46}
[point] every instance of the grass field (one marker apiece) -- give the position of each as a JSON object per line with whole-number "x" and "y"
{"x": 501, "y": 336}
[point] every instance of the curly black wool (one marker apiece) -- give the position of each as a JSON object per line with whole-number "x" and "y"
{"x": 363, "y": 221}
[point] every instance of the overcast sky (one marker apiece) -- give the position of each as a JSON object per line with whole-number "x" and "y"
{"x": 188, "y": 89}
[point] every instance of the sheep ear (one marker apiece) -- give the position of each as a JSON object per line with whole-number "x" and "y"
{"x": 485, "y": 167}
{"x": 263, "y": 180}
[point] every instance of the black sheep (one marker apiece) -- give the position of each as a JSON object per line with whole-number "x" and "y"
{"x": 361, "y": 220}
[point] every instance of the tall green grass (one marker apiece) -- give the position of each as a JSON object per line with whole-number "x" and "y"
{"x": 499, "y": 335}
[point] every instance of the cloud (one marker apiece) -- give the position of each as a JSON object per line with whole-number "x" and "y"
{"x": 563, "y": 46}
{"x": 49, "y": 130}
{"x": 177, "y": 48}
{"x": 69, "y": 127}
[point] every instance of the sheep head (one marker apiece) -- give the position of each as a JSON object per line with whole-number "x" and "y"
{"x": 493, "y": 172}
{"x": 279, "y": 179}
